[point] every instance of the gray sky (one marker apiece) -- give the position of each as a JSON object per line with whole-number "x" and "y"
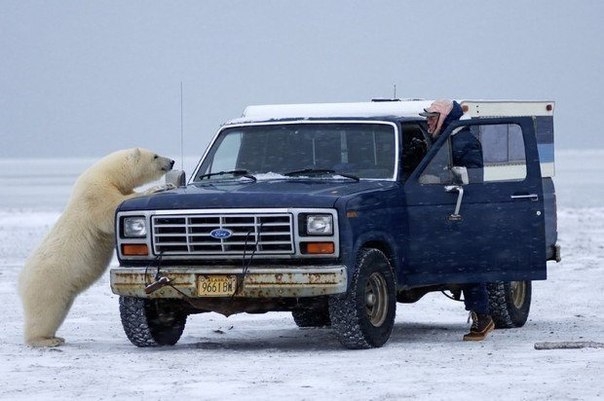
{"x": 84, "y": 78}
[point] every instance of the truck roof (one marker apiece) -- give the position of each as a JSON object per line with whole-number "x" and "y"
{"x": 394, "y": 108}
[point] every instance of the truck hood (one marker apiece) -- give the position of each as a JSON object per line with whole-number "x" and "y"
{"x": 260, "y": 194}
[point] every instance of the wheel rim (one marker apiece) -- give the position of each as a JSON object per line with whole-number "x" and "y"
{"x": 518, "y": 293}
{"x": 376, "y": 299}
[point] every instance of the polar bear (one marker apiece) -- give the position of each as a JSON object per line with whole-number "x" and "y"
{"x": 79, "y": 247}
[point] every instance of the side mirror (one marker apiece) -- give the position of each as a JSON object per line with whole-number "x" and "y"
{"x": 460, "y": 175}
{"x": 176, "y": 178}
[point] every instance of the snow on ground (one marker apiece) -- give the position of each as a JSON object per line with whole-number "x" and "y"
{"x": 262, "y": 357}
{"x": 266, "y": 357}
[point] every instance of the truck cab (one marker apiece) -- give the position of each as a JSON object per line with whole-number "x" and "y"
{"x": 338, "y": 211}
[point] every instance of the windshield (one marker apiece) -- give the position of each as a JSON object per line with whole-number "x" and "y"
{"x": 363, "y": 150}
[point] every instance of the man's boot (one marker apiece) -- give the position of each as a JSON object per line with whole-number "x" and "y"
{"x": 481, "y": 326}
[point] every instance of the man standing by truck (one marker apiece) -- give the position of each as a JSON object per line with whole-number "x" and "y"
{"x": 467, "y": 152}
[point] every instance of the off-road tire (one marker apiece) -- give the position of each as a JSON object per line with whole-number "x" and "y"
{"x": 151, "y": 322}
{"x": 312, "y": 317}
{"x": 363, "y": 317}
{"x": 509, "y": 303}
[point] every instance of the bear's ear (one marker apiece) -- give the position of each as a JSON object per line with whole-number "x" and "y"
{"x": 135, "y": 154}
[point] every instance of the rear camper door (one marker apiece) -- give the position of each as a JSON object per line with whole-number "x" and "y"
{"x": 492, "y": 227}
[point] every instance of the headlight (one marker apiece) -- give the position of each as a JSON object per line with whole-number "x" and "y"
{"x": 319, "y": 224}
{"x": 134, "y": 227}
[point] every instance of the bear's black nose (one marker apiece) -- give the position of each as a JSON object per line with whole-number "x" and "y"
{"x": 171, "y": 163}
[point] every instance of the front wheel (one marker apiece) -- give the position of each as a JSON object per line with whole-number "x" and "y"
{"x": 509, "y": 303}
{"x": 363, "y": 317}
{"x": 152, "y": 322}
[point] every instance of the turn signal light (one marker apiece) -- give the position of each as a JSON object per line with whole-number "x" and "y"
{"x": 135, "y": 250}
{"x": 322, "y": 248}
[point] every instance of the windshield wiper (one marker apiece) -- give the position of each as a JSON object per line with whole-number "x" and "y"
{"x": 318, "y": 171}
{"x": 235, "y": 173}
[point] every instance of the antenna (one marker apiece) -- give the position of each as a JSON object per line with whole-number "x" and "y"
{"x": 181, "y": 132}
{"x": 394, "y": 97}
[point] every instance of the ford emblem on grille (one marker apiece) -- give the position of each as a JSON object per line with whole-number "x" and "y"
{"x": 220, "y": 233}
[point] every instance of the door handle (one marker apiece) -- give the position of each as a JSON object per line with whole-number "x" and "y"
{"x": 532, "y": 197}
{"x": 451, "y": 188}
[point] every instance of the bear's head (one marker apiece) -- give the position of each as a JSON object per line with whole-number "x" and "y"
{"x": 147, "y": 166}
{"x": 131, "y": 168}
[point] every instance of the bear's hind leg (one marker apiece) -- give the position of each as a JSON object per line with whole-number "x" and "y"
{"x": 41, "y": 326}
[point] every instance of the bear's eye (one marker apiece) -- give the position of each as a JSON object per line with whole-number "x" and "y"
{"x": 155, "y": 156}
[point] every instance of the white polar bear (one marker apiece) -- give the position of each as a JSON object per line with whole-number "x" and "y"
{"x": 78, "y": 249}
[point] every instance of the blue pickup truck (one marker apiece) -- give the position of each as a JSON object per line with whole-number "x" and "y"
{"x": 336, "y": 212}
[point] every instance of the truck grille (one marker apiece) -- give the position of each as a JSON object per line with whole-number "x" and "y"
{"x": 258, "y": 234}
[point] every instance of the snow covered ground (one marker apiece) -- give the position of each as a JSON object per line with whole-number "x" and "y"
{"x": 266, "y": 357}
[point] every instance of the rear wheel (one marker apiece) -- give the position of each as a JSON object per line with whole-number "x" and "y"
{"x": 364, "y": 316}
{"x": 152, "y": 322}
{"x": 509, "y": 303}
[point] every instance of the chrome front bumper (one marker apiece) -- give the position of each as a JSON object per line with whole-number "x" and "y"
{"x": 258, "y": 282}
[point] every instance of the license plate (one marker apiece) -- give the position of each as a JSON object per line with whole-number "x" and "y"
{"x": 216, "y": 286}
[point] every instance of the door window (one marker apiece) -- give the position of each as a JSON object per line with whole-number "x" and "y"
{"x": 503, "y": 151}
{"x": 488, "y": 152}
{"x": 439, "y": 168}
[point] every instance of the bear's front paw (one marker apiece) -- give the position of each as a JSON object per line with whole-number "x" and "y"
{"x": 159, "y": 188}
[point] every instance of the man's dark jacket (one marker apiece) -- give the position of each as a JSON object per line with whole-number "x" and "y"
{"x": 467, "y": 151}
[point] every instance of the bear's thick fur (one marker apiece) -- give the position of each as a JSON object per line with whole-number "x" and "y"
{"x": 78, "y": 249}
